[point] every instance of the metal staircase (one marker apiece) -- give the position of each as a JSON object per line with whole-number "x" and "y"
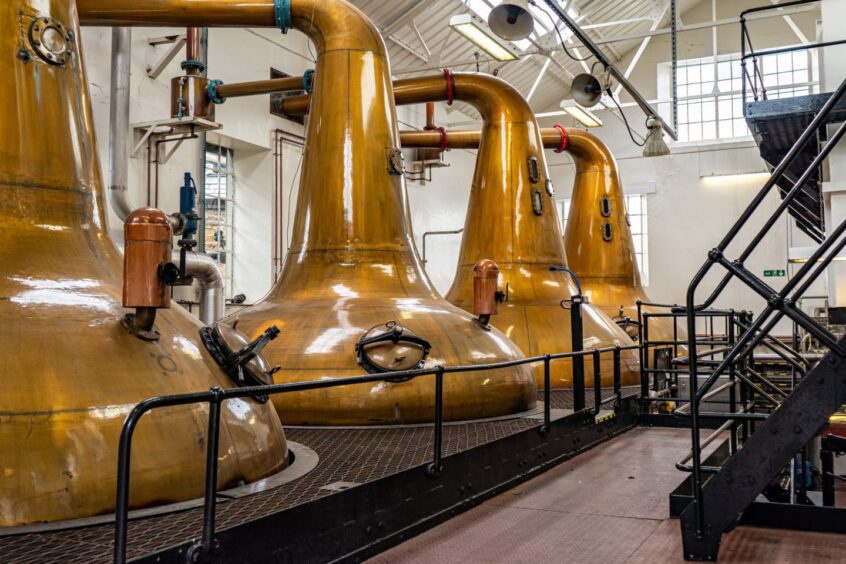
{"x": 776, "y": 123}
{"x": 763, "y": 441}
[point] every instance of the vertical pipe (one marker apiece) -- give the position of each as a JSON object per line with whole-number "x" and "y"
{"x": 577, "y": 346}
{"x": 674, "y": 39}
{"x": 193, "y": 49}
{"x": 201, "y": 150}
{"x": 119, "y": 122}
{"x": 430, "y": 116}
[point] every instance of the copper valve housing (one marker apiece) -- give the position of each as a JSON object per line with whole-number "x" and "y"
{"x": 148, "y": 242}
{"x": 485, "y": 286}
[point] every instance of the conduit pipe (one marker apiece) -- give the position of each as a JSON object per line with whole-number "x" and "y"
{"x": 119, "y": 123}
{"x": 209, "y": 277}
{"x": 202, "y": 268}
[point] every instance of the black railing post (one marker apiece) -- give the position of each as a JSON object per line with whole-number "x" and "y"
{"x": 597, "y": 382}
{"x": 618, "y": 383}
{"x": 123, "y": 473}
{"x": 201, "y": 550}
{"x": 827, "y": 459}
{"x": 732, "y": 391}
{"x": 643, "y": 352}
{"x": 547, "y": 396}
{"x": 578, "y": 346}
{"x": 436, "y": 465}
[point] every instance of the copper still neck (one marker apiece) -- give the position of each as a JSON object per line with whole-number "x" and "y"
{"x": 598, "y": 218}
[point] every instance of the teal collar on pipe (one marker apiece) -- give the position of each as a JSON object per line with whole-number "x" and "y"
{"x": 282, "y": 10}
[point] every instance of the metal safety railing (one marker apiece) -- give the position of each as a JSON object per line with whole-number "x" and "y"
{"x": 754, "y": 80}
{"x": 749, "y": 334}
{"x": 216, "y": 396}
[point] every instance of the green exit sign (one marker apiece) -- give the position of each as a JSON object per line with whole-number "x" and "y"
{"x": 774, "y": 274}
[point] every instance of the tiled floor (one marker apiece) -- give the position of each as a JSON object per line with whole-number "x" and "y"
{"x": 609, "y": 505}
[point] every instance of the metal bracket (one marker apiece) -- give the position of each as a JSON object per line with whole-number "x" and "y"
{"x": 171, "y": 126}
{"x": 176, "y": 42}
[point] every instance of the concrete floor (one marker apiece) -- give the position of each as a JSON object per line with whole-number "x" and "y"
{"x": 606, "y": 506}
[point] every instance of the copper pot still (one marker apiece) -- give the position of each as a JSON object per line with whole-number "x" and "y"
{"x": 352, "y": 265}
{"x": 70, "y": 370}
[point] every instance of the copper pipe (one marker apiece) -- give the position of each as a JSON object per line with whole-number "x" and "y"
{"x": 177, "y": 13}
{"x": 430, "y": 116}
{"x": 552, "y": 139}
{"x": 257, "y": 87}
{"x": 193, "y": 49}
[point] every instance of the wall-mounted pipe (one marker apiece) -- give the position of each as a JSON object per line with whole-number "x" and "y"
{"x": 118, "y": 192}
{"x": 202, "y": 268}
{"x": 257, "y": 87}
{"x": 553, "y": 138}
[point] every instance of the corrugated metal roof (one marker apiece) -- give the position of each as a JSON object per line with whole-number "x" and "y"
{"x": 446, "y": 48}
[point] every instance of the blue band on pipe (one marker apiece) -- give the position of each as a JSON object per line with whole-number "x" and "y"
{"x": 282, "y": 9}
{"x": 212, "y": 91}
{"x": 308, "y": 80}
{"x": 573, "y": 274}
{"x": 189, "y": 64}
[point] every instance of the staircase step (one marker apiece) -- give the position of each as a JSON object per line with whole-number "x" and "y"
{"x": 729, "y": 492}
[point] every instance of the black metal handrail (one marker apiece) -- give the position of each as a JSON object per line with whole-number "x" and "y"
{"x": 780, "y": 303}
{"x": 756, "y": 76}
{"x": 216, "y": 396}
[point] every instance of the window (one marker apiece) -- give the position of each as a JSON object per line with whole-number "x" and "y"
{"x": 219, "y": 209}
{"x": 710, "y": 91}
{"x": 276, "y": 99}
{"x": 636, "y": 210}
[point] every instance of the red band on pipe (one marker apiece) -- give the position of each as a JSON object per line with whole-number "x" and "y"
{"x": 450, "y": 87}
{"x": 564, "y": 140}
{"x": 443, "y": 143}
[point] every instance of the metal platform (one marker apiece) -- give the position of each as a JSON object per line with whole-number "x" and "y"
{"x": 358, "y": 499}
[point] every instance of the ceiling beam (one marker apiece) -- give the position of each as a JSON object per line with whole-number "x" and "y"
{"x": 642, "y": 47}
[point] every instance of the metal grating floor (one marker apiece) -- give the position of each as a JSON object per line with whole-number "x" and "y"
{"x": 346, "y": 455}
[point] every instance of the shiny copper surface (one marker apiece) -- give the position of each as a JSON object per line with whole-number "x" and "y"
{"x": 607, "y": 269}
{"x": 69, "y": 371}
{"x": 485, "y": 287}
{"x": 526, "y": 243}
{"x": 148, "y": 242}
{"x": 352, "y": 263}
{"x": 237, "y": 89}
{"x": 615, "y": 290}
{"x": 189, "y": 97}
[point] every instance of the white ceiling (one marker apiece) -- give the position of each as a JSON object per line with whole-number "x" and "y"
{"x": 411, "y": 27}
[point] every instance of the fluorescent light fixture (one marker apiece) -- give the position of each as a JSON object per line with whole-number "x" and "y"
{"x": 732, "y": 179}
{"x": 583, "y": 116}
{"x": 475, "y": 30}
{"x": 801, "y": 255}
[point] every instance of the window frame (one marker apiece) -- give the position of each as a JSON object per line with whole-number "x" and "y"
{"x": 227, "y": 226}
{"x": 732, "y": 96}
